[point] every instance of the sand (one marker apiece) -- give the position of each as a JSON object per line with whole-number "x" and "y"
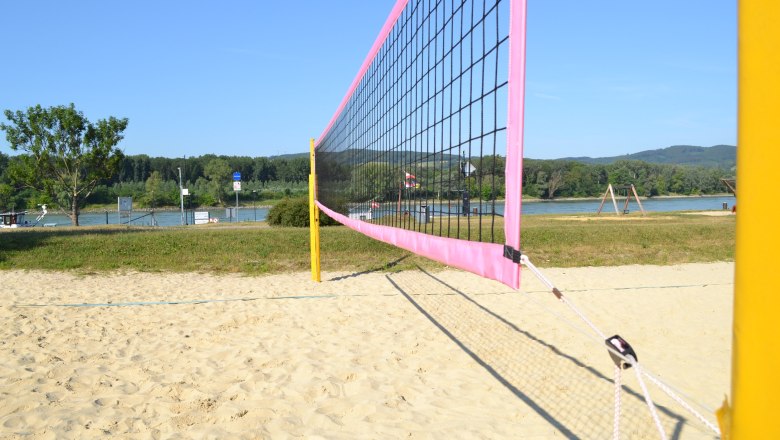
{"x": 361, "y": 356}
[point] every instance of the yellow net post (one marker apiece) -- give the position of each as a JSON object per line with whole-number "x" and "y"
{"x": 755, "y": 383}
{"x": 314, "y": 218}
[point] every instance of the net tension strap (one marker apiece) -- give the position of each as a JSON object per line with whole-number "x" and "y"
{"x": 620, "y": 351}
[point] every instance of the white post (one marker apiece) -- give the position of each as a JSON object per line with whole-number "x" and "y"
{"x": 181, "y": 198}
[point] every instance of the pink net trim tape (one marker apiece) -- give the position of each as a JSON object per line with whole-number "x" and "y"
{"x": 514, "y": 138}
{"x": 380, "y": 39}
{"x": 484, "y": 259}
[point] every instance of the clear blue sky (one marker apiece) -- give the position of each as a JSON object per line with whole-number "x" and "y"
{"x": 260, "y": 78}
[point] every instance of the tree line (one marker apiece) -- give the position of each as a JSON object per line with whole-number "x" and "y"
{"x": 484, "y": 178}
{"x": 548, "y": 179}
{"x": 70, "y": 162}
{"x": 154, "y": 181}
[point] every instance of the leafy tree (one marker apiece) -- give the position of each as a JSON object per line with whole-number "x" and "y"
{"x": 201, "y": 193}
{"x": 192, "y": 170}
{"x": 3, "y": 166}
{"x": 491, "y": 165}
{"x": 165, "y": 167}
{"x": 154, "y": 190}
{"x": 219, "y": 175}
{"x": 142, "y": 168}
{"x": 6, "y": 195}
{"x": 264, "y": 170}
{"x": 67, "y": 156}
{"x": 293, "y": 170}
{"x": 554, "y": 183}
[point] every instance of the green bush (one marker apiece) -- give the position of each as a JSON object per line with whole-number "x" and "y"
{"x": 290, "y": 212}
{"x": 295, "y": 212}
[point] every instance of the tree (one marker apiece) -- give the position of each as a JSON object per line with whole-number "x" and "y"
{"x": 67, "y": 156}
{"x": 293, "y": 170}
{"x": 6, "y": 195}
{"x": 264, "y": 170}
{"x": 154, "y": 190}
{"x": 3, "y": 165}
{"x": 554, "y": 183}
{"x": 219, "y": 175}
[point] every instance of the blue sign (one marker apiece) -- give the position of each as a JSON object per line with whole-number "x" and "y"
{"x": 237, "y": 176}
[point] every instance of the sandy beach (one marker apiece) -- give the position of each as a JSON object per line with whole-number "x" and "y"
{"x": 358, "y": 356}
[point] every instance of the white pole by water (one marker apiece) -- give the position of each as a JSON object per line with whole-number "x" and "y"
{"x": 181, "y": 198}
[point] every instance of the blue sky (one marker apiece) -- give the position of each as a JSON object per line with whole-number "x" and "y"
{"x": 260, "y": 78}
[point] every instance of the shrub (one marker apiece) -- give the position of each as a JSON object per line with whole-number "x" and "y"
{"x": 295, "y": 212}
{"x": 290, "y": 212}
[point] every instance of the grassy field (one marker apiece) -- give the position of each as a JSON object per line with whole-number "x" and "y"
{"x": 552, "y": 241}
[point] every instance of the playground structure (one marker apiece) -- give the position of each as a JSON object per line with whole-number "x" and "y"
{"x": 629, "y": 191}
{"x": 731, "y": 184}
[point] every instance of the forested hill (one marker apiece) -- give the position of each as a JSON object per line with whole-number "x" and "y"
{"x": 718, "y": 156}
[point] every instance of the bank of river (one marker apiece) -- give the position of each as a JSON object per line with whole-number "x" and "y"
{"x": 535, "y": 207}
{"x": 157, "y": 218}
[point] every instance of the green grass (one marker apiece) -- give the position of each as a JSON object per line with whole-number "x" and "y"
{"x": 661, "y": 239}
{"x": 553, "y": 241}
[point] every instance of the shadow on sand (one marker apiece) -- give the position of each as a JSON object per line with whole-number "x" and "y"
{"x": 573, "y": 398}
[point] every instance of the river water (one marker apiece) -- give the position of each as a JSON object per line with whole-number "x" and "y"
{"x": 250, "y": 214}
{"x": 651, "y": 205}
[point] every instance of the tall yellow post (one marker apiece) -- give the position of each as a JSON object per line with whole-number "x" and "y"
{"x": 755, "y": 383}
{"x": 314, "y": 218}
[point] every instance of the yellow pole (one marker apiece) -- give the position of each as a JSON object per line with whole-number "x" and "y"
{"x": 755, "y": 383}
{"x": 314, "y": 218}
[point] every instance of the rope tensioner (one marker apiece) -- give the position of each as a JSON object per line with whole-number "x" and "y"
{"x": 616, "y": 343}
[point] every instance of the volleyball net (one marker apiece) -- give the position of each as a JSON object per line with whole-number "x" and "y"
{"x": 425, "y": 149}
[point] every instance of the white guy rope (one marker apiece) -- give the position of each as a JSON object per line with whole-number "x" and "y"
{"x": 524, "y": 260}
{"x": 618, "y": 386}
{"x": 667, "y": 389}
{"x": 648, "y": 399}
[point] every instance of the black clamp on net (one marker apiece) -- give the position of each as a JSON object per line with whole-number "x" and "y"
{"x": 620, "y": 345}
{"x": 512, "y": 253}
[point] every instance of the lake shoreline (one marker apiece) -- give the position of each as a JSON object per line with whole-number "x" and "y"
{"x": 168, "y": 209}
{"x": 525, "y": 200}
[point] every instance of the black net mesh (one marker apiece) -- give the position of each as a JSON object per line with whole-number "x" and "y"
{"x": 421, "y": 142}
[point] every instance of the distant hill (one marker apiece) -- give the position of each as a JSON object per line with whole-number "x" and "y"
{"x": 289, "y": 156}
{"x": 718, "y": 156}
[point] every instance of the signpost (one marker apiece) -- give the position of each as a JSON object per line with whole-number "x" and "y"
{"x": 236, "y": 188}
{"x": 125, "y": 207}
{"x": 201, "y": 217}
{"x": 231, "y": 213}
